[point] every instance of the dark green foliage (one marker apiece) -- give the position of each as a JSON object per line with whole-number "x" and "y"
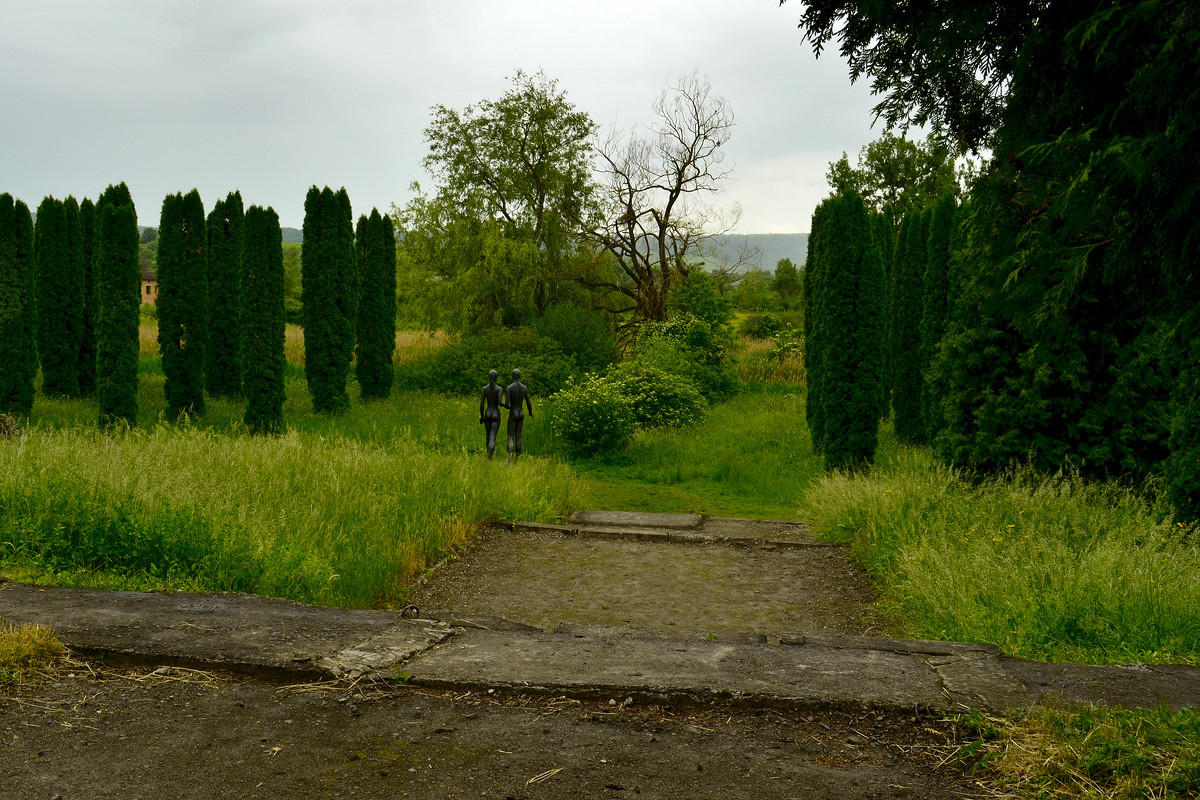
{"x": 583, "y": 334}
{"x": 815, "y": 339}
{"x": 376, "y": 243}
{"x": 692, "y": 348}
{"x": 908, "y": 286}
{"x": 118, "y": 288}
{"x": 18, "y": 355}
{"x": 851, "y": 301}
{"x": 183, "y": 302}
{"x": 263, "y": 328}
{"x": 760, "y": 326}
{"x": 86, "y": 370}
{"x": 223, "y": 365}
{"x": 329, "y": 293}
{"x": 935, "y": 308}
{"x": 788, "y": 285}
{"x": 883, "y": 229}
{"x": 462, "y": 367}
{"x": 700, "y": 296}
{"x": 59, "y": 296}
{"x": 1183, "y": 466}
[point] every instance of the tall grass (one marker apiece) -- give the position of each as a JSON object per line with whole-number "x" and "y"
{"x": 310, "y": 517}
{"x": 1046, "y": 567}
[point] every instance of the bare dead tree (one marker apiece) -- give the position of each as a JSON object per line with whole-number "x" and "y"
{"x": 655, "y": 224}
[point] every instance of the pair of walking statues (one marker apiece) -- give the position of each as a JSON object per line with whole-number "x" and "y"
{"x": 496, "y": 397}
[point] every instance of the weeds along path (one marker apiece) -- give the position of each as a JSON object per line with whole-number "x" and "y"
{"x": 678, "y": 575}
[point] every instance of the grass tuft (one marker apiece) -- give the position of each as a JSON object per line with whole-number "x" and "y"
{"x": 25, "y": 651}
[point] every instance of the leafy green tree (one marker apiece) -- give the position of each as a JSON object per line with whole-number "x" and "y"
{"x": 896, "y": 176}
{"x": 59, "y": 300}
{"x": 788, "y": 285}
{"x": 852, "y": 303}
{"x": 223, "y": 368}
{"x": 376, "y": 242}
{"x": 18, "y": 353}
{"x": 935, "y": 299}
{"x": 494, "y": 243}
{"x": 183, "y": 302}
{"x": 86, "y": 371}
{"x": 262, "y": 359}
{"x": 118, "y": 288}
{"x": 908, "y": 284}
{"x": 754, "y": 292}
{"x": 329, "y": 294}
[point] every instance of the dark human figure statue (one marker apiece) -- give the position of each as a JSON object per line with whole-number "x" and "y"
{"x": 489, "y": 410}
{"x": 515, "y": 394}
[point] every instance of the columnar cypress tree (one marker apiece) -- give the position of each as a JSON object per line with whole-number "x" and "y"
{"x": 814, "y": 326}
{"x": 118, "y": 289}
{"x": 883, "y": 229}
{"x": 328, "y": 293}
{"x": 263, "y": 328}
{"x": 377, "y": 304}
{"x": 908, "y": 282}
{"x": 86, "y": 370}
{"x": 182, "y": 302}
{"x": 855, "y": 322}
{"x": 18, "y": 355}
{"x": 59, "y": 299}
{"x": 223, "y": 371}
{"x": 935, "y": 308}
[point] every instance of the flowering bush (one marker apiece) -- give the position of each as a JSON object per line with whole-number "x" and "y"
{"x": 593, "y": 416}
{"x": 660, "y": 399}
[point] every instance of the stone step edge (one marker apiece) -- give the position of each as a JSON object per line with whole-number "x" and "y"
{"x": 658, "y": 535}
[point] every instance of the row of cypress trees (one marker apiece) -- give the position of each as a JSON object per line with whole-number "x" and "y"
{"x": 220, "y": 303}
{"x": 348, "y": 292}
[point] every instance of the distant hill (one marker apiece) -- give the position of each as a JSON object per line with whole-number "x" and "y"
{"x": 772, "y": 247}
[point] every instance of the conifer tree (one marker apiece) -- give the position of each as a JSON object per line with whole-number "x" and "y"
{"x": 182, "y": 302}
{"x": 59, "y": 301}
{"x": 18, "y": 354}
{"x": 223, "y": 370}
{"x": 329, "y": 284}
{"x": 118, "y": 289}
{"x": 883, "y": 229}
{"x": 377, "y": 304}
{"x": 86, "y": 371}
{"x": 263, "y": 328}
{"x": 908, "y": 282}
{"x": 935, "y": 300}
{"x": 854, "y": 312}
{"x": 814, "y": 326}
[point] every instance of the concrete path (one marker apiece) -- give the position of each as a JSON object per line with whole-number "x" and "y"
{"x": 266, "y": 636}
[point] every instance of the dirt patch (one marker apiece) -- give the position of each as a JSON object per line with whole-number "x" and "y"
{"x": 181, "y": 734}
{"x": 679, "y": 590}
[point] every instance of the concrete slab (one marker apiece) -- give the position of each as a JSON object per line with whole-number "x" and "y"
{"x": 601, "y": 666}
{"x": 241, "y": 632}
{"x": 636, "y": 519}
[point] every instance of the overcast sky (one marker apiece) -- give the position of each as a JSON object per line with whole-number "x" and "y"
{"x": 271, "y": 97}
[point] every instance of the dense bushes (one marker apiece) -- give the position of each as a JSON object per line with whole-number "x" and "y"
{"x": 584, "y": 335}
{"x": 660, "y": 399}
{"x": 462, "y": 367}
{"x": 692, "y": 348}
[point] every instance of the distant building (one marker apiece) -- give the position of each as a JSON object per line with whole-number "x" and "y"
{"x": 149, "y": 286}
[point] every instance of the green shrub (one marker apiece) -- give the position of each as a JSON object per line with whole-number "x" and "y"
{"x": 760, "y": 326}
{"x": 583, "y": 334}
{"x": 462, "y": 367}
{"x": 694, "y": 349}
{"x": 660, "y": 399}
{"x": 593, "y": 416}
